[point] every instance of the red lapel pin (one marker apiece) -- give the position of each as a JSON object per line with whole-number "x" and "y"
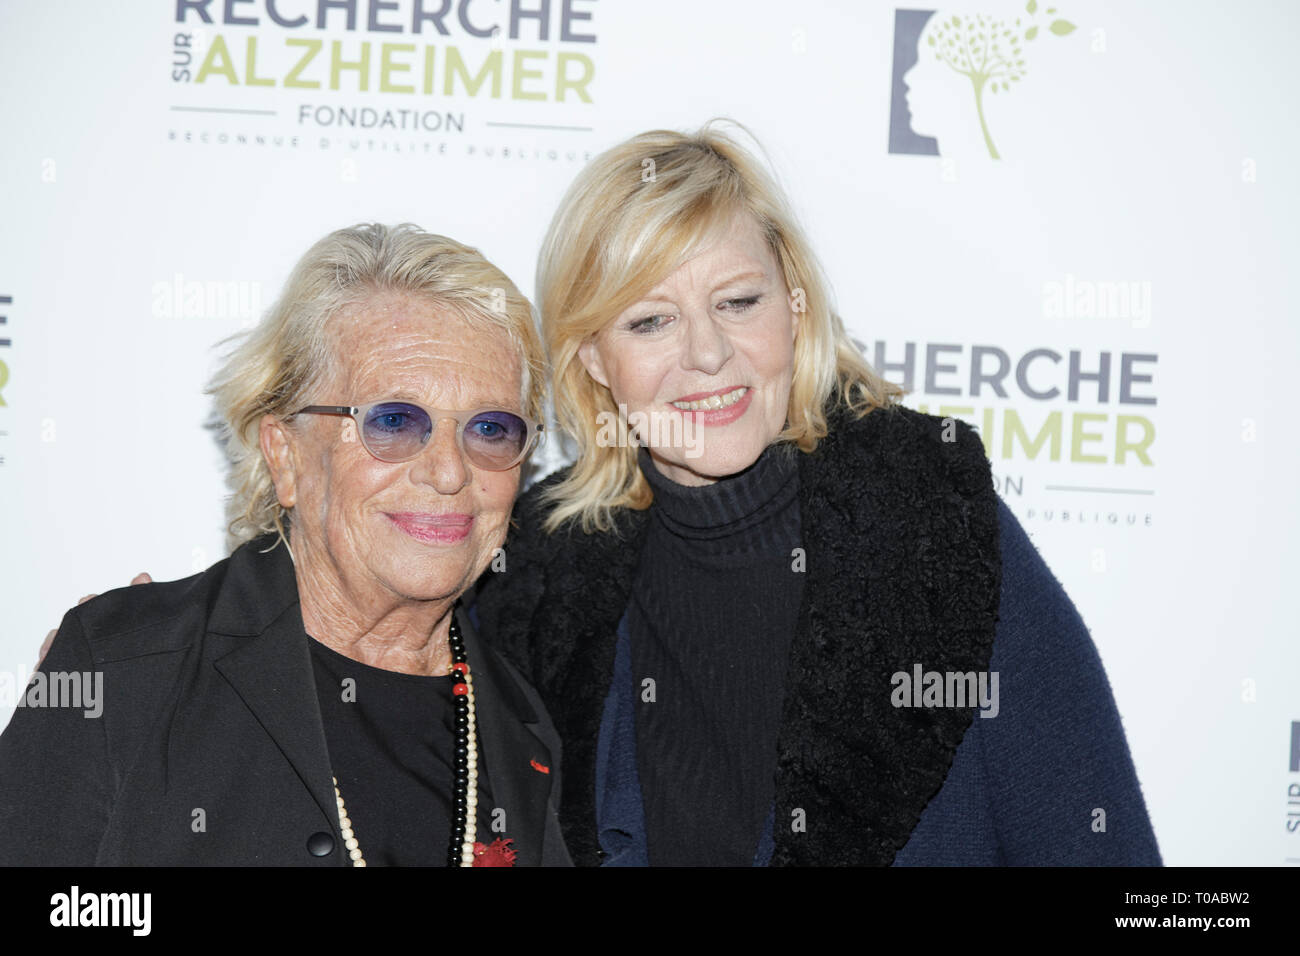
{"x": 539, "y": 767}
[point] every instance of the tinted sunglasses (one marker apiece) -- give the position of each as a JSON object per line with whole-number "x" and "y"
{"x": 393, "y": 431}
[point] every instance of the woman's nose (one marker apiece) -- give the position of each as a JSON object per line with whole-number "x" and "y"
{"x": 707, "y": 346}
{"x": 441, "y": 463}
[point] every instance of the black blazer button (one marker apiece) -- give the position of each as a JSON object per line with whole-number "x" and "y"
{"x": 320, "y": 844}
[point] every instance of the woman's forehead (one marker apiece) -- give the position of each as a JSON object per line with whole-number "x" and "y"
{"x": 423, "y": 350}
{"x": 397, "y": 313}
{"x": 738, "y": 251}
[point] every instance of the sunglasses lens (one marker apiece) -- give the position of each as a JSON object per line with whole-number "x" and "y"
{"x": 396, "y": 431}
{"x": 495, "y": 440}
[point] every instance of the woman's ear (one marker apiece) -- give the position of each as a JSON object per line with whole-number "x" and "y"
{"x": 277, "y": 448}
{"x": 589, "y": 355}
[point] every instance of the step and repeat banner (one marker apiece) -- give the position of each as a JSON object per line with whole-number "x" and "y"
{"x": 1073, "y": 226}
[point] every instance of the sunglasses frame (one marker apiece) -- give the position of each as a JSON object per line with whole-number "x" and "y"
{"x": 536, "y": 430}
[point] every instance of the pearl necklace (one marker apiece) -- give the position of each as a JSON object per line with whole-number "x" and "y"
{"x": 464, "y": 824}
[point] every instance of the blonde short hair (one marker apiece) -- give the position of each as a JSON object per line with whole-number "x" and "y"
{"x": 277, "y": 367}
{"x": 634, "y": 214}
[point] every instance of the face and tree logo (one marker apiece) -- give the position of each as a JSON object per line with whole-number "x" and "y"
{"x": 990, "y": 53}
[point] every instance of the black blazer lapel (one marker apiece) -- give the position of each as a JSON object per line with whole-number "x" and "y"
{"x": 272, "y": 671}
{"x": 519, "y": 764}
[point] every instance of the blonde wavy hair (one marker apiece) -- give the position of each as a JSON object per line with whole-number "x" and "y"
{"x": 633, "y": 215}
{"x": 278, "y": 367}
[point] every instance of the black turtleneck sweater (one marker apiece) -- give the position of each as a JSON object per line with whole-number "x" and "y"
{"x": 714, "y": 607}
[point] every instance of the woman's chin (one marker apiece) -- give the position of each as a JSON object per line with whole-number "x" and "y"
{"x": 708, "y": 467}
{"x": 419, "y": 572}
{"x": 416, "y": 587}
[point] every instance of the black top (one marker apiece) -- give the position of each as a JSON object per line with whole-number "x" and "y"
{"x": 390, "y": 739}
{"x": 714, "y": 606}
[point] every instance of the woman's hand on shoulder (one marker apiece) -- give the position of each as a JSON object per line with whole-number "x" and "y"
{"x": 142, "y": 578}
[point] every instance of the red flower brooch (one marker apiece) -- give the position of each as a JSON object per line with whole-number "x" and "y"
{"x": 496, "y": 853}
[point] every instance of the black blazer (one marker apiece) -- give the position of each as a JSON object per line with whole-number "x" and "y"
{"x": 210, "y": 749}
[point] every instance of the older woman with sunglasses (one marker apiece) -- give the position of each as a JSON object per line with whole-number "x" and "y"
{"x": 318, "y": 698}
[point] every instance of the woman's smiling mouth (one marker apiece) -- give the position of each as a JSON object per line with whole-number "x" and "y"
{"x": 707, "y": 401}
{"x": 722, "y": 407}
{"x": 440, "y": 528}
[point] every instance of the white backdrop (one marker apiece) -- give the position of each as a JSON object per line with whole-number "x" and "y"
{"x": 157, "y": 187}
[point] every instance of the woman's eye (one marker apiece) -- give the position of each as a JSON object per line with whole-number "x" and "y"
{"x": 650, "y": 323}
{"x": 741, "y": 304}
{"x": 488, "y": 429}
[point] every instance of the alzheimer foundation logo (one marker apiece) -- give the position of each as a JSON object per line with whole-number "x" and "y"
{"x": 949, "y": 68}
{"x": 83, "y": 691}
{"x": 923, "y": 688}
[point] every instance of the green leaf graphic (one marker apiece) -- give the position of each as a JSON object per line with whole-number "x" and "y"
{"x": 1032, "y": 6}
{"x": 1032, "y": 32}
{"x": 1061, "y": 27}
